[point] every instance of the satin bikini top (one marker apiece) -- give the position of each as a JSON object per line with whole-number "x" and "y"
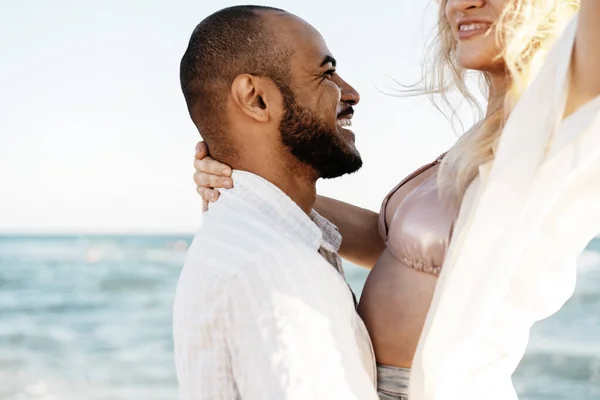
{"x": 421, "y": 227}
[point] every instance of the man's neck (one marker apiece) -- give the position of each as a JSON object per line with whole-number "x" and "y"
{"x": 302, "y": 190}
{"x": 293, "y": 178}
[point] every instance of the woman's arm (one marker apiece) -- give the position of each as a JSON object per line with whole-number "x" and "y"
{"x": 361, "y": 243}
{"x": 585, "y": 78}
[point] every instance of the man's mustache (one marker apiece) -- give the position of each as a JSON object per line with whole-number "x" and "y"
{"x": 348, "y": 112}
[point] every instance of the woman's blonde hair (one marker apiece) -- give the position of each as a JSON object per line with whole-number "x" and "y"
{"x": 525, "y": 32}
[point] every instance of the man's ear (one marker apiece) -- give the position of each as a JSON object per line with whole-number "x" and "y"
{"x": 256, "y": 97}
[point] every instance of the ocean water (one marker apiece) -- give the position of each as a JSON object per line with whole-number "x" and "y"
{"x": 89, "y": 318}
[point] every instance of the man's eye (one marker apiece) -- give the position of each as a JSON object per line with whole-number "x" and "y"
{"x": 328, "y": 74}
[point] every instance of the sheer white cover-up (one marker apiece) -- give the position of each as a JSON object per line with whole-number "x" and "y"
{"x": 521, "y": 226}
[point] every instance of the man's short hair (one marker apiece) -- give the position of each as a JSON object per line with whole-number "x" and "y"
{"x": 228, "y": 43}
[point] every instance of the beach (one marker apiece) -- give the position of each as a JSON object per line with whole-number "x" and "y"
{"x": 89, "y": 317}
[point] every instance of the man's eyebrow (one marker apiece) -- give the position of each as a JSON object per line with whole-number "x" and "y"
{"x": 329, "y": 59}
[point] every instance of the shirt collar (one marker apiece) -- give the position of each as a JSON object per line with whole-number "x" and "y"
{"x": 279, "y": 207}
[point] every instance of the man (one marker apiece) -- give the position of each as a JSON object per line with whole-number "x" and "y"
{"x": 262, "y": 310}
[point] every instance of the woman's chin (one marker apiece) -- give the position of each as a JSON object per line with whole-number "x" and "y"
{"x": 474, "y": 64}
{"x": 479, "y": 59}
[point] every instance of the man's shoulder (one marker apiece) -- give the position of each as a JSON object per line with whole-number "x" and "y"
{"x": 230, "y": 251}
{"x": 234, "y": 235}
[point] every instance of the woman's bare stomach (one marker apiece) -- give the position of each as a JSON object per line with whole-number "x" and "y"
{"x": 394, "y": 305}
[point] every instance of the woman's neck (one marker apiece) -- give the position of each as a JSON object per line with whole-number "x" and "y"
{"x": 498, "y": 87}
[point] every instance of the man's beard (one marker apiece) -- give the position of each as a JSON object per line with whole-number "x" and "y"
{"x": 312, "y": 142}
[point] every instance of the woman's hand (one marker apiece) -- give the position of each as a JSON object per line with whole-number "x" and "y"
{"x": 209, "y": 176}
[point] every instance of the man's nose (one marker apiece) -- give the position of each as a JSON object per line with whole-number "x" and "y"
{"x": 349, "y": 94}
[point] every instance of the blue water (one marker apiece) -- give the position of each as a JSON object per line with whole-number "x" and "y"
{"x": 89, "y": 318}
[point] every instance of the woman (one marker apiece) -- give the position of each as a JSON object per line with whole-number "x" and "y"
{"x": 507, "y": 41}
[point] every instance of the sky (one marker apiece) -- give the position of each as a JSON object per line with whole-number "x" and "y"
{"x": 95, "y": 136}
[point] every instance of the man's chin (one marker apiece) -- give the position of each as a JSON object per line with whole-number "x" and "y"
{"x": 345, "y": 167}
{"x": 346, "y": 134}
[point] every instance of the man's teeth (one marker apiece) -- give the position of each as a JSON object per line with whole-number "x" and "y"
{"x": 472, "y": 27}
{"x": 344, "y": 122}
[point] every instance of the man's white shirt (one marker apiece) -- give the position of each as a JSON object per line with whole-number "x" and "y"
{"x": 262, "y": 309}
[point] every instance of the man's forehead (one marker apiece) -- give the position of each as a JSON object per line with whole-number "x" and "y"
{"x": 284, "y": 25}
{"x": 302, "y": 37}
